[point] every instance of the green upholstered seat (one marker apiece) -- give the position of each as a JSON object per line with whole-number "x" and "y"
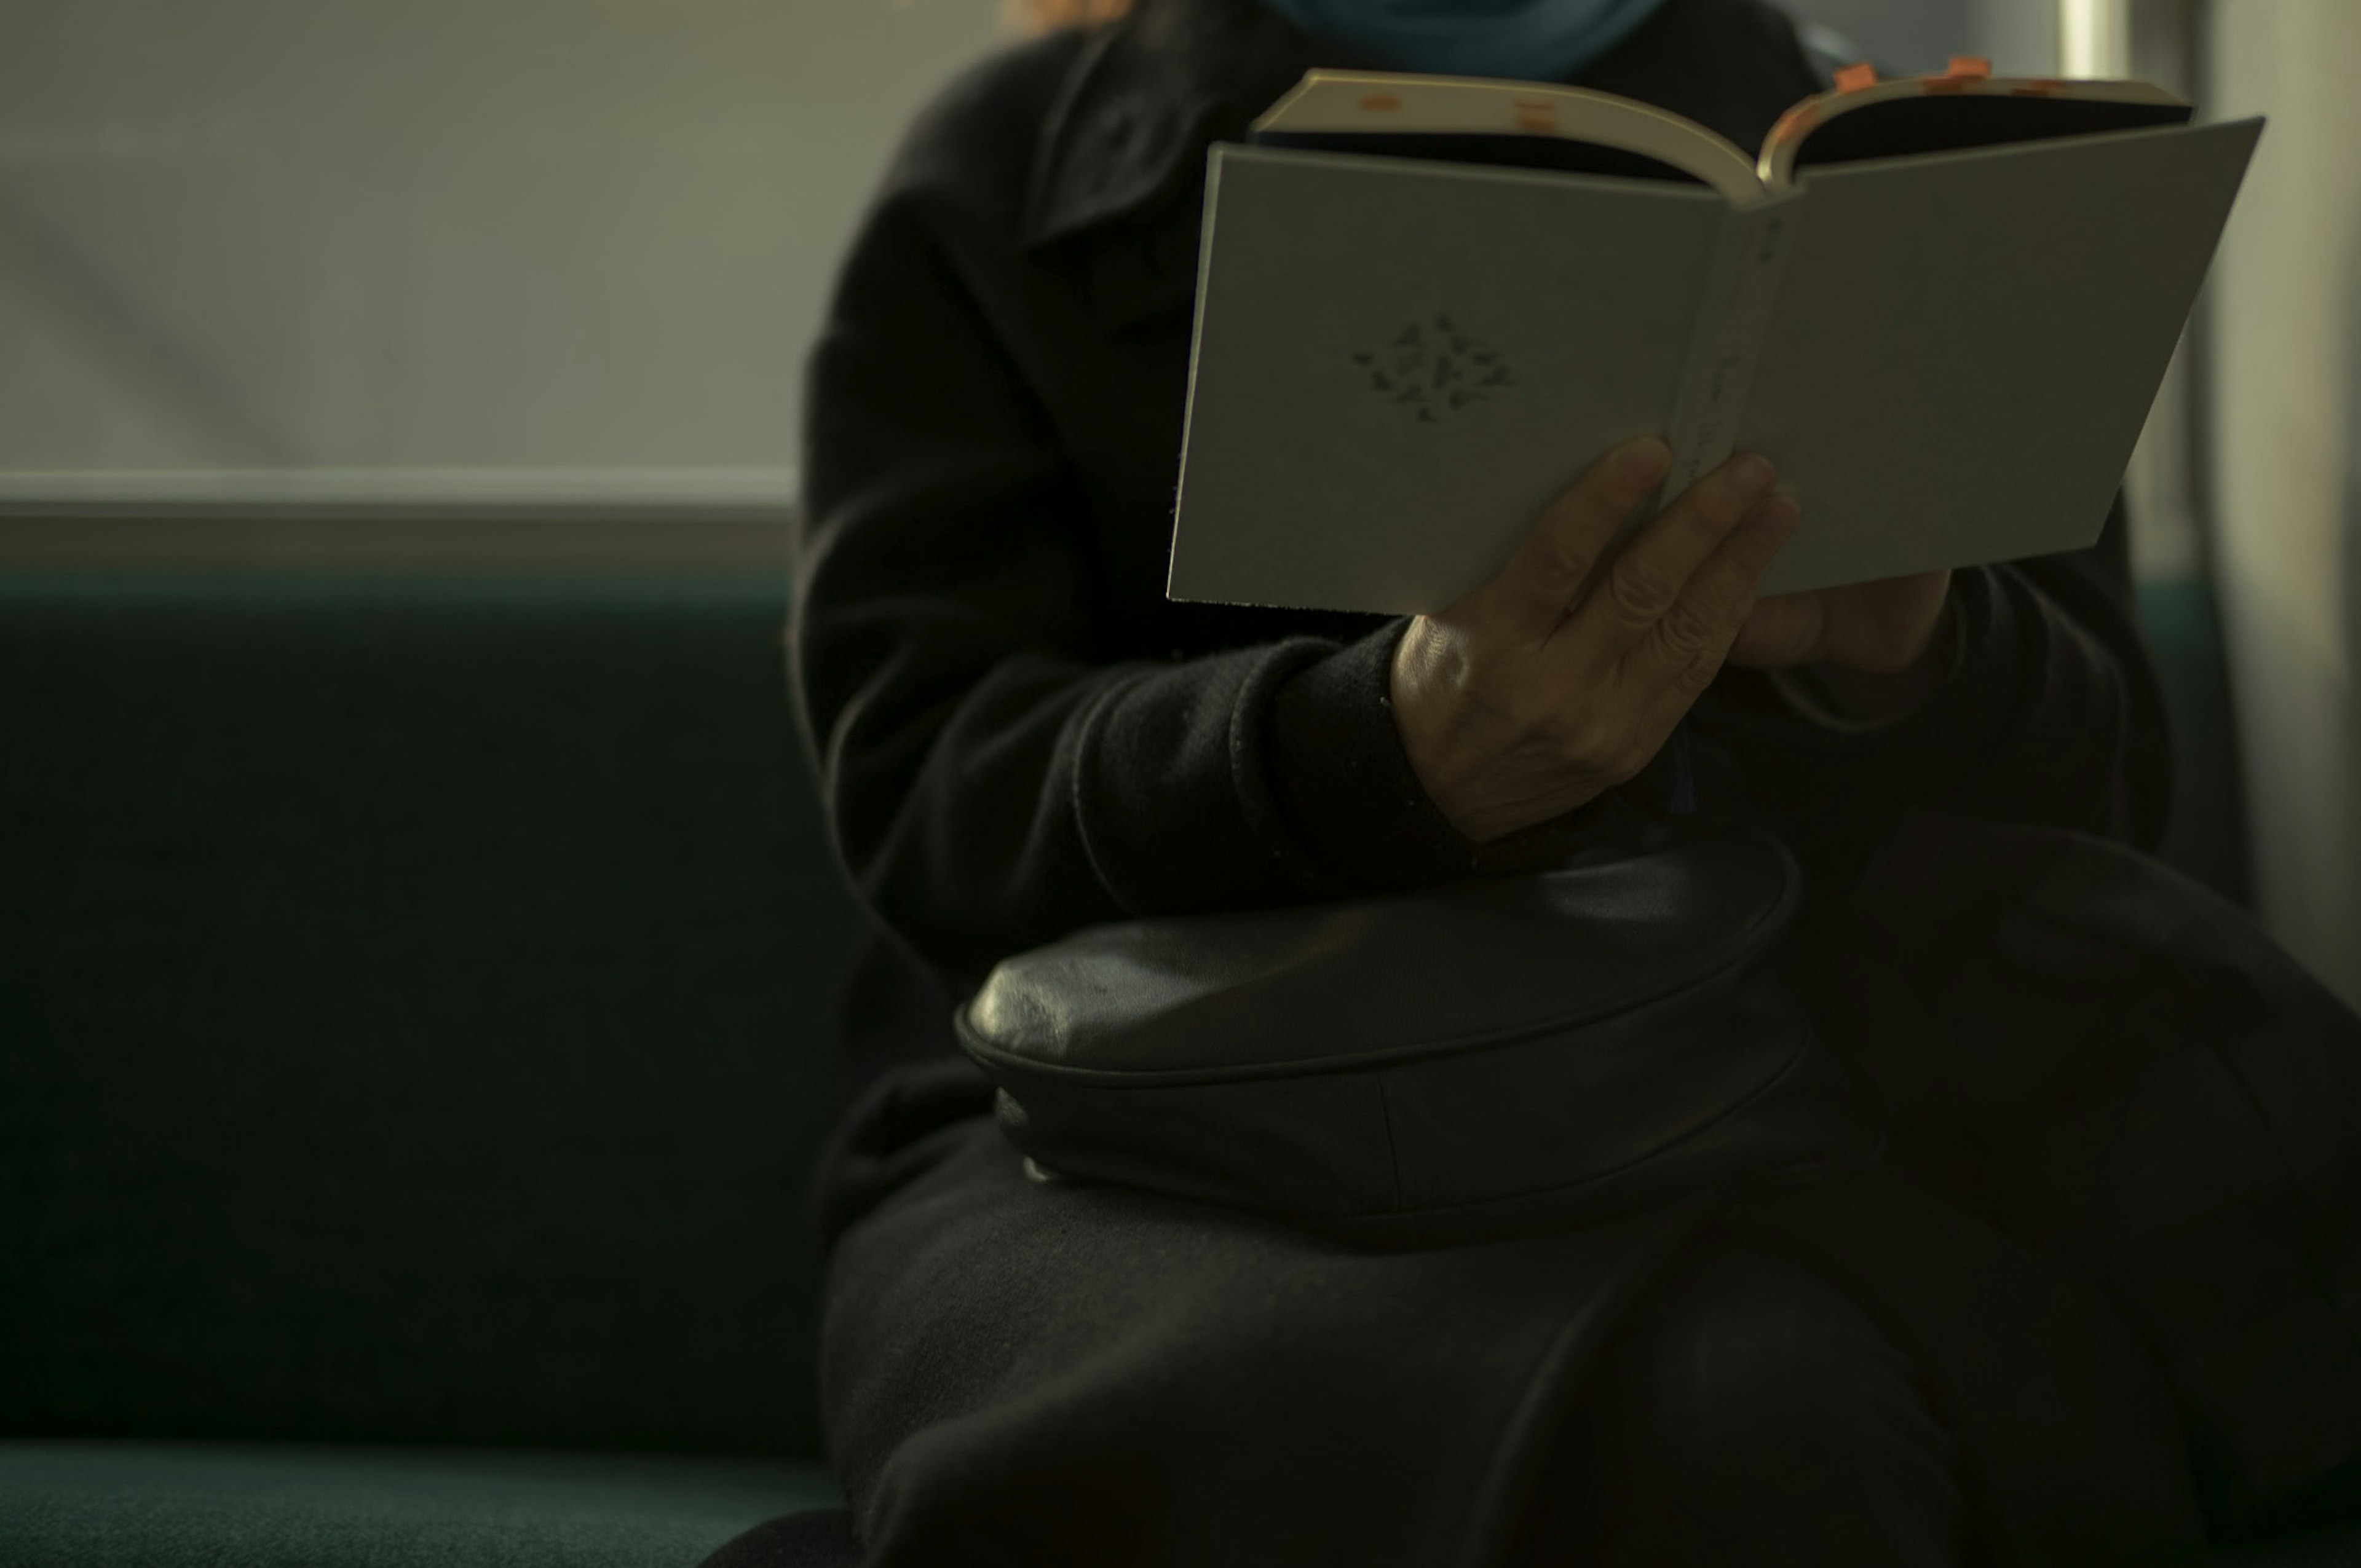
{"x": 415, "y": 999}
{"x": 136, "y": 1504}
{"x": 415, "y": 1010}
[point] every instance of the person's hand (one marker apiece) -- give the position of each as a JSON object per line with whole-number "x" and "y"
{"x": 1561, "y": 678}
{"x": 1876, "y": 650}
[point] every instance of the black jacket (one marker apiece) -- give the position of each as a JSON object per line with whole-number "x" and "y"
{"x": 1017, "y": 735}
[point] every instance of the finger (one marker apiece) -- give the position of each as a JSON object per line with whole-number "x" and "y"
{"x": 1682, "y": 652}
{"x": 1783, "y": 629}
{"x": 1649, "y": 574}
{"x": 1529, "y": 598}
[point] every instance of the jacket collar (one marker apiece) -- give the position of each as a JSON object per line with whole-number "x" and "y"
{"x": 1127, "y": 133}
{"x": 1121, "y": 151}
{"x": 1128, "y": 128}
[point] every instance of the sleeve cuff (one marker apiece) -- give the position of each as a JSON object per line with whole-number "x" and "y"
{"x": 1343, "y": 782}
{"x": 1808, "y": 698}
{"x": 1982, "y": 700}
{"x": 1965, "y": 716}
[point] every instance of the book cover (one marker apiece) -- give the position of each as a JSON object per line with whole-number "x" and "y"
{"x": 1401, "y": 361}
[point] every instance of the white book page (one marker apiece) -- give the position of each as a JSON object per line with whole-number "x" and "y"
{"x": 1965, "y": 345}
{"x": 1399, "y": 364}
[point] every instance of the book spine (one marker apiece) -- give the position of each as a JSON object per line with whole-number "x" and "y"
{"x": 1733, "y": 321}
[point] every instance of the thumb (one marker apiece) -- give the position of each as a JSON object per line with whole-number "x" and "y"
{"x": 1782, "y": 630}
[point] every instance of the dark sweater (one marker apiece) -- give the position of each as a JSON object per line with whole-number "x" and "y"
{"x": 1017, "y": 735}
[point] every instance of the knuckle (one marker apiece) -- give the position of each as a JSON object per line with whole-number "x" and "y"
{"x": 1729, "y": 582}
{"x": 1693, "y": 677}
{"x": 1639, "y": 593}
{"x": 1687, "y": 630}
{"x": 1568, "y": 732}
{"x": 1554, "y": 564}
{"x": 1585, "y": 739}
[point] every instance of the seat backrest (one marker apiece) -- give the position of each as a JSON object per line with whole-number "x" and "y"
{"x": 415, "y": 1001}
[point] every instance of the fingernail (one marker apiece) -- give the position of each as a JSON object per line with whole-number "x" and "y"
{"x": 1646, "y": 460}
{"x": 1752, "y": 475}
{"x": 1781, "y": 514}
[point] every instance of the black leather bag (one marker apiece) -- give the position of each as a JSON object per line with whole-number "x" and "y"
{"x": 1500, "y": 1056}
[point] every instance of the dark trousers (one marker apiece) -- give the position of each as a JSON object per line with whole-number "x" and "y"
{"x": 1016, "y": 1374}
{"x": 1750, "y": 1412}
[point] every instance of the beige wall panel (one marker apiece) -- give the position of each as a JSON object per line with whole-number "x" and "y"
{"x": 2287, "y": 418}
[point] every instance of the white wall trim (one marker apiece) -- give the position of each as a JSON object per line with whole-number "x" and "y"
{"x": 707, "y": 493}
{"x": 400, "y": 519}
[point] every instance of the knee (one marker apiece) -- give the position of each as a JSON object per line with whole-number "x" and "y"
{"x": 1748, "y": 1359}
{"x": 1752, "y": 1413}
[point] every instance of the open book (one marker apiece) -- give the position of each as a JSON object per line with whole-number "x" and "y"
{"x": 1941, "y": 305}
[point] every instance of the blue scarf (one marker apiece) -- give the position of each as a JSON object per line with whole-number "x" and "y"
{"x": 1531, "y": 40}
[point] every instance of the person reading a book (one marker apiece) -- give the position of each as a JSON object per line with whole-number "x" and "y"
{"x": 1018, "y": 734}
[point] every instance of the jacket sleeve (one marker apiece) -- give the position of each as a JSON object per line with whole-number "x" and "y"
{"x": 990, "y": 781}
{"x": 2053, "y": 716}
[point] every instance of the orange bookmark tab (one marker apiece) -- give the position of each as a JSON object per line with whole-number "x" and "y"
{"x": 1973, "y": 66}
{"x": 1853, "y": 78}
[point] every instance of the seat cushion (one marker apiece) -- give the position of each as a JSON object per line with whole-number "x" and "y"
{"x": 144, "y": 1504}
